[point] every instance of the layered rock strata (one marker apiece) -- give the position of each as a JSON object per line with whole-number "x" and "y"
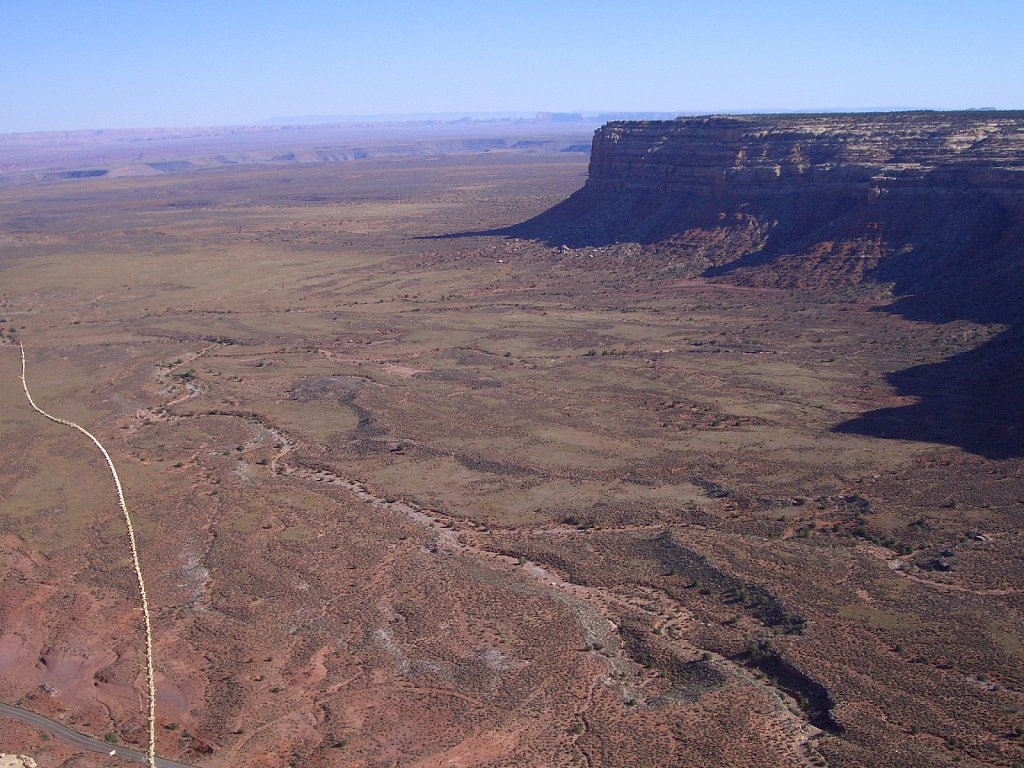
{"x": 927, "y": 201}
{"x": 864, "y": 154}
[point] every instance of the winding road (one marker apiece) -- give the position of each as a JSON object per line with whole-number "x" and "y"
{"x": 80, "y": 740}
{"x": 133, "y": 545}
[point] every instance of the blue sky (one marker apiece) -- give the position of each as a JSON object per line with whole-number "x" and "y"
{"x": 89, "y": 64}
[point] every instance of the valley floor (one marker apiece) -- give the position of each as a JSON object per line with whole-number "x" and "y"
{"x": 408, "y": 499}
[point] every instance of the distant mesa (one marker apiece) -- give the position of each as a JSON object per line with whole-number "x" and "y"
{"x": 560, "y": 117}
{"x": 83, "y": 174}
{"x": 170, "y": 166}
{"x": 463, "y": 118}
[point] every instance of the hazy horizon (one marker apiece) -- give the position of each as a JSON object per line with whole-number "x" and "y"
{"x": 91, "y": 65}
{"x": 441, "y": 119}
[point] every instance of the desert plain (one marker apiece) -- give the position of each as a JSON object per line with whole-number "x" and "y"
{"x": 413, "y": 494}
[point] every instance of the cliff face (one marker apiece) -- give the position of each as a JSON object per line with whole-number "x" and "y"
{"x": 915, "y": 199}
{"x": 860, "y": 155}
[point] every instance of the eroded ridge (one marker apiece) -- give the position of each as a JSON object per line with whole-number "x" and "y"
{"x": 151, "y": 683}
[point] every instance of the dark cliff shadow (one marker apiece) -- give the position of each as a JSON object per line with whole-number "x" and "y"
{"x": 974, "y": 400}
{"x": 955, "y": 256}
{"x": 595, "y": 219}
{"x": 969, "y": 267}
{"x": 949, "y": 256}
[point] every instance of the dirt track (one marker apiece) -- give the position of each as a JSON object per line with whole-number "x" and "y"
{"x": 150, "y": 674}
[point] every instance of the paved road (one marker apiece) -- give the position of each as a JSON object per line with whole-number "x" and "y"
{"x": 80, "y": 740}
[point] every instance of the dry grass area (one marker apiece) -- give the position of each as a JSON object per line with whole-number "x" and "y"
{"x": 476, "y": 501}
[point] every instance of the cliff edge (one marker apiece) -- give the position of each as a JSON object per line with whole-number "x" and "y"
{"x": 927, "y": 201}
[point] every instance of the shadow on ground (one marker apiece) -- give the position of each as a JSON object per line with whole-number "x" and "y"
{"x": 954, "y": 257}
{"x": 974, "y": 400}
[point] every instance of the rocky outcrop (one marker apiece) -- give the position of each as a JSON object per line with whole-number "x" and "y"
{"x": 916, "y": 199}
{"x": 864, "y": 155}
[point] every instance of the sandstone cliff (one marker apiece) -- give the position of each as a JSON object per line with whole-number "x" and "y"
{"x": 928, "y": 201}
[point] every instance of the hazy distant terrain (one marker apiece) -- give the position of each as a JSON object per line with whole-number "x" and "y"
{"x": 33, "y": 157}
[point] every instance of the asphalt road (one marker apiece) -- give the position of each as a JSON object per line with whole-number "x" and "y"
{"x": 80, "y": 740}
